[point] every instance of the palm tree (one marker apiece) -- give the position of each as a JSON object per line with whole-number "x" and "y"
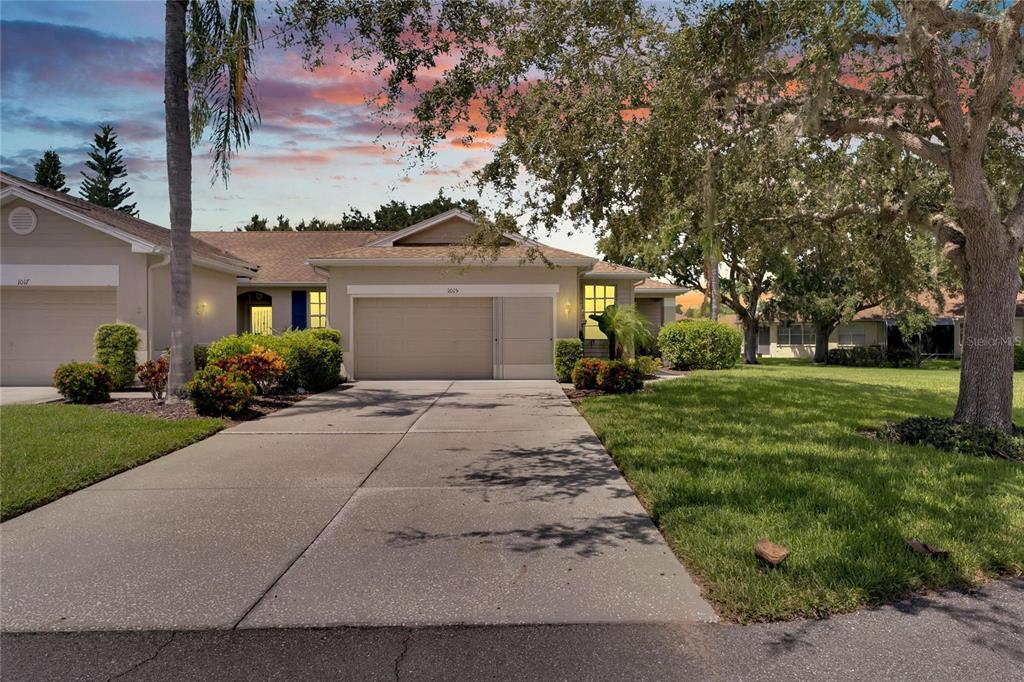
{"x": 625, "y": 328}
{"x": 208, "y": 55}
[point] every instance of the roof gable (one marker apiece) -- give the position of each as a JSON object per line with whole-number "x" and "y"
{"x": 449, "y": 228}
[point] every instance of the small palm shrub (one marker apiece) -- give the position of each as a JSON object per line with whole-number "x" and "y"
{"x": 115, "y": 349}
{"x": 264, "y": 367}
{"x": 83, "y": 382}
{"x": 567, "y": 353}
{"x": 153, "y": 375}
{"x": 215, "y": 391}
{"x": 625, "y": 328}
{"x": 700, "y": 344}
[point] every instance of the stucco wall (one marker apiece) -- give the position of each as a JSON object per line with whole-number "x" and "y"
{"x": 214, "y": 309}
{"x": 874, "y": 333}
{"x": 58, "y": 240}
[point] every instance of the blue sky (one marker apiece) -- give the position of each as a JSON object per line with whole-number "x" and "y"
{"x": 66, "y": 67}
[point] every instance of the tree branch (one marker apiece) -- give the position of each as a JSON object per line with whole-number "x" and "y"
{"x": 1004, "y": 50}
{"x": 1015, "y": 218}
{"x": 943, "y": 18}
{"x": 869, "y": 97}
{"x": 892, "y": 130}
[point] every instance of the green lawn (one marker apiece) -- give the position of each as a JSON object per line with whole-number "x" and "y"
{"x": 722, "y": 459}
{"x": 50, "y": 450}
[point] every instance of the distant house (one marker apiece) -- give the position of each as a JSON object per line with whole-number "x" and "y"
{"x": 404, "y": 308}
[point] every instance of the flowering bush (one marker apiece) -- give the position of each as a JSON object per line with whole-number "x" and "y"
{"x": 619, "y": 377}
{"x": 83, "y": 382}
{"x": 263, "y": 366}
{"x": 153, "y": 375}
{"x": 215, "y": 391}
{"x": 584, "y": 374}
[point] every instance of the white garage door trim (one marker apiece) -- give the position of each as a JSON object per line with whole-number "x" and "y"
{"x": 549, "y": 291}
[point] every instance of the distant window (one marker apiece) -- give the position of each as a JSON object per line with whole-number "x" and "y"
{"x": 853, "y": 335}
{"x": 317, "y": 309}
{"x": 596, "y": 297}
{"x": 796, "y": 335}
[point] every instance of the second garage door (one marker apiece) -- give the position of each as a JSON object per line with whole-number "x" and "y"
{"x": 43, "y": 328}
{"x": 423, "y": 338}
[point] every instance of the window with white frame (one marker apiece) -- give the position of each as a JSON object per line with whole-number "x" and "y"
{"x": 317, "y": 309}
{"x": 853, "y": 335}
{"x": 796, "y": 335}
{"x": 596, "y": 297}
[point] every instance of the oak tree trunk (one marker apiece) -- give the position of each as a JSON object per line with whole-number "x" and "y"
{"x": 751, "y": 327}
{"x": 991, "y": 284}
{"x": 179, "y": 184}
{"x": 822, "y": 332}
{"x": 713, "y": 284}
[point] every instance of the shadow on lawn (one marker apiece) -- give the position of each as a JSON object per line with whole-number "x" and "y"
{"x": 728, "y": 458}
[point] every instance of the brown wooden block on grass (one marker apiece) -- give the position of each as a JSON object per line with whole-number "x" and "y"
{"x": 768, "y": 551}
{"x": 919, "y": 547}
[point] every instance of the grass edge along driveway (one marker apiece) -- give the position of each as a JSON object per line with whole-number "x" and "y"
{"x": 722, "y": 459}
{"x": 47, "y": 451}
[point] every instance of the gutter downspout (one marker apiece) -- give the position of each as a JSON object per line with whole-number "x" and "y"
{"x": 149, "y": 303}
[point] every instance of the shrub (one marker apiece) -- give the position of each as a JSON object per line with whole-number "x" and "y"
{"x": 312, "y": 363}
{"x": 616, "y": 376}
{"x": 115, "y": 350}
{"x": 325, "y": 334}
{"x": 200, "y": 353}
{"x": 83, "y": 382}
{"x": 567, "y": 353}
{"x": 874, "y": 356}
{"x": 1018, "y": 357}
{"x": 153, "y": 375}
{"x": 646, "y": 365}
{"x": 264, "y": 367}
{"x": 584, "y": 374}
{"x": 945, "y": 434}
{"x": 215, "y": 391}
{"x": 700, "y": 344}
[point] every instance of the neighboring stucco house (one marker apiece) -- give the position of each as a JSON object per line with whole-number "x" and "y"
{"x": 68, "y": 266}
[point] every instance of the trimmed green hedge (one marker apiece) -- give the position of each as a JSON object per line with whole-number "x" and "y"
{"x": 115, "y": 349}
{"x": 83, "y": 382}
{"x": 567, "y": 353}
{"x": 875, "y": 356}
{"x": 313, "y": 356}
{"x": 700, "y": 344}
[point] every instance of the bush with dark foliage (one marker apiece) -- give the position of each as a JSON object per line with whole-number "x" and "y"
{"x": 617, "y": 376}
{"x": 875, "y": 356}
{"x": 945, "y": 434}
{"x": 83, "y": 382}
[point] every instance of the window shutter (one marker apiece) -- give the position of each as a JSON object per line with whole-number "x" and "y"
{"x": 299, "y": 312}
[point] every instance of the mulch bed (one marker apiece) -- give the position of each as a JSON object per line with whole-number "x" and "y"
{"x": 261, "y": 407}
{"x": 576, "y": 395}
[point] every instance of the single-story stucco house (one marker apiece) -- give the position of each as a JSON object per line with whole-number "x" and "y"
{"x": 68, "y": 266}
{"x": 404, "y": 307}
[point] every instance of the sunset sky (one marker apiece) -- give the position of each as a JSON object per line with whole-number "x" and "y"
{"x": 69, "y": 66}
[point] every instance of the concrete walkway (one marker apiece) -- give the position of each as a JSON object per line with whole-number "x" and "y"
{"x": 398, "y": 504}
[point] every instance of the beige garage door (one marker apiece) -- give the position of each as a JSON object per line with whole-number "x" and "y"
{"x": 423, "y": 338}
{"x": 41, "y": 328}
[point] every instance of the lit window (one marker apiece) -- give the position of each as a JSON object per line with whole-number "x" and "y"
{"x": 853, "y": 335}
{"x": 796, "y": 335}
{"x": 317, "y": 309}
{"x": 596, "y": 297}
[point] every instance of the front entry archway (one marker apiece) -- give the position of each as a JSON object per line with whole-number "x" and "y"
{"x": 256, "y": 312}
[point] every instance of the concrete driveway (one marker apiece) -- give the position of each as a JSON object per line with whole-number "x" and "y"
{"x": 20, "y": 395}
{"x": 384, "y": 503}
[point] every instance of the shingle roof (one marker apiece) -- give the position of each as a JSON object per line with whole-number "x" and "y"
{"x": 119, "y": 220}
{"x": 656, "y": 284}
{"x": 282, "y": 255}
{"x": 517, "y": 253}
{"x": 605, "y": 268}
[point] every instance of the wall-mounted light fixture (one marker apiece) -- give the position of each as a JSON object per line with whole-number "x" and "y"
{"x": 568, "y": 307}
{"x": 201, "y": 308}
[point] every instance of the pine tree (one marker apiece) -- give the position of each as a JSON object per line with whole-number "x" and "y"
{"x": 107, "y": 166}
{"x": 49, "y": 172}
